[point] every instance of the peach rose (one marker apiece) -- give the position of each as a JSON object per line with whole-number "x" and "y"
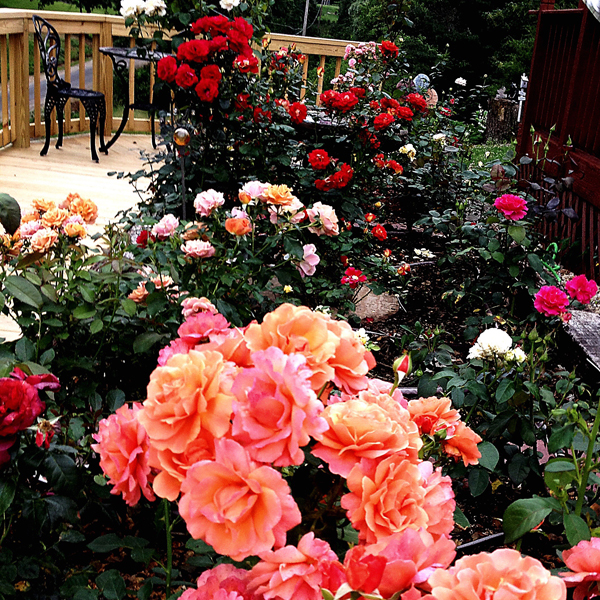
{"x": 123, "y": 449}
{"x": 462, "y": 444}
{"x": 433, "y": 414}
{"x": 41, "y": 205}
{"x": 439, "y": 503}
{"x": 66, "y": 203}
{"x": 54, "y": 217}
{"x": 173, "y": 466}
{"x": 140, "y": 293}
{"x": 281, "y": 195}
{"x": 191, "y": 393}
{"x": 223, "y": 582}
{"x": 276, "y": 412}
{"x": 584, "y": 561}
{"x": 87, "y": 209}
{"x": 388, "y": 496}
{"x": 252, "y": 190}
{"x": 232, "y": 345}
{"x": 30, "y": 216}
{"x": 502, "y": 574}
{"x": 292, "y": 573}
{"x": 238, "y": 226}
{"x": 238, "y": 507}
{"x": 74, "y": 230}
{"x": 198, "y": 249}
{"x": 359, "y": 428}
{"x": 43, "y": 239}
{"x": 323, "y": 220}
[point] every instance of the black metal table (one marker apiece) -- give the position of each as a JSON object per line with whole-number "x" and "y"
{"x": 120, "y": 58}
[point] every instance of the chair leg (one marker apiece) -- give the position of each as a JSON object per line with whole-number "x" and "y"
{"x": 48, "y": 121}
{"x": 153, "y": 128}
{"x": 93, "y": 139}
{"x": 103, "y": 147}
{"x": 60, "y": 117}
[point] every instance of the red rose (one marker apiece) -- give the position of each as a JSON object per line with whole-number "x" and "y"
{"x": 403, "y": 112}
{"x": 395, "y": 166}
{"x": 446, "y": 111}
{"x": 186, "y": 76}
{"x": 388, "y": 49}
{"x": 374, "y": 105}
{"x": 390, "y": 104}
{"x": 143, "y": 237}
{"x": 211, "y": 72}
{"x": 166, "y": 69}
{"x": 218, "y": 44}
{"x": 417, "y": 102}
{"x": 344, "y": 102}
{"x": 297, "y": 112}
{"x": 239, "y": 34}
{"x": 379, "y": 232}
{"x": 207, "y": 90}
{"x": 345, "y": 174}
{"x": 368, "y": 139}
{"x": 358, "y": 91}
{"x": 324, "y": 185}
{"x": 379, "y": 160}
{"x": 240, "y": 24}
{"x": 319, "y": 159}
{"x": 194, "y": 51}
{"x": 370, "y": 217}
{"x": 382, "y": 121}
{"x": 212, "y": 25}
{"x": 327, "y": 98}
{"x": 246, "y": 64}
{"x": 241, "y": 102}
{"x": 262, "y": 116}
{"x": 353, "y": 277}
{"x": 550, "y": 301}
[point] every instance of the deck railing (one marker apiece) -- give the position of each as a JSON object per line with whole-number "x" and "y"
{"x": 22, "y": 117}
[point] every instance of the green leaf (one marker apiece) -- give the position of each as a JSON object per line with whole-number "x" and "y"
{"x": 498, "y": 257}
{"x": 10, "y": 213}
{"x": 129, "y": 306}
{"x": 327, "y": 595}
{"x": 86, "y": 594}
{"x": 561, "y": 437}
{"x": 115, "y": 399}
{"x": 198, "y": 546}
{"x": 518, "y": 468}
{"x": 517, "y": 233}
{"x": 96, "y": 325}
{"x": 460, "y": 519}
{"x": 71, "y": 537}
{"x": 145, "y": 341}
{"x": 84, "y": 312}
{"x": 47, "y": 357}
{"x": 524, "y": 515}
{"x": 7, "y": 494}
{"x": 535, "y": 262}
{"x": 111, "y": 584}
{"x": 61, "y": 472}
{"x": 576, "y": 529}
{"x": 513, "y": 271}
{"x": 105, "y": 543}
{"x": 143, "y": 555}
{"x": 489, "y": 455}
{"x": 24, "y": 350}
{"x": 23, "y": 290}
{"x": 505, "y": 391}
{"x": 145, "y": 591}
{"x": 426, "y": 387}
{"x": 478, "y": 481}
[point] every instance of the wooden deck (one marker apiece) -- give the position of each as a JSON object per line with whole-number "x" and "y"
{"x": 26, "y": 175}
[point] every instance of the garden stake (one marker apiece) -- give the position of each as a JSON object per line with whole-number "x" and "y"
{"x": 554, "y": 249}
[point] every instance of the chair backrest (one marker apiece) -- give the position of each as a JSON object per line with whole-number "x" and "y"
{"x": 49, "y": 44}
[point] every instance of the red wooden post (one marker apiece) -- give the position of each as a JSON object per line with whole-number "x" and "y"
{"x": 547, "y": 5}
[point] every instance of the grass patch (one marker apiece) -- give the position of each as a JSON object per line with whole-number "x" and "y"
{"x": 35, "y": 5}
{"x": 485, "y": 153}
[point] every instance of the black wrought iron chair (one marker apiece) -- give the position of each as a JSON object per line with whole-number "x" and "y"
{"x": 58, "y": 91}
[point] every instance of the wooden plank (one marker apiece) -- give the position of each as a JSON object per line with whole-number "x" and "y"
{"x": 81, "y": 78}
{"x": 37, "y": 101}
{"x": 338, "y": 66}
{"x": 68, "y": 59}
{"x": 320, "y": 75}
{"x": 4, "y": 77}
{"x": 106, "y": 79}
{"x": 96, "y": 62}
{"x": 304, "y": 80}
{"x": 12, "y": 53}
{"x": 130, "y": 121}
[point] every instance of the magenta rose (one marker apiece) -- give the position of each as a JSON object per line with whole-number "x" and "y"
{"x": 550, "y": 301}
{"x": 511, "y": 206}
{"x": 582, "y": 289}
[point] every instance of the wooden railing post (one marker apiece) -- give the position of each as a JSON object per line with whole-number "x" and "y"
{"x": 19, "y": 53}
{"x": 106, "y": 79}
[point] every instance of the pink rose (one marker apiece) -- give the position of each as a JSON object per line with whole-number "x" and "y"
{"x": 511, "y": 206}
{"x": 207, "y": 201}
{"x": 253, "y": 190}
{"x": 177, "y": 346}
{"x": 197, "y": 327}
{"x": 198, "y": 249}
{"x": 192, "y": 305}
{"x": 165, "y": 227}
{"x": 28, "y": 228}
{"x": 309, "y": 263}
{"x": 584, "y": 562}
{"x": 124, "y": 452}
{"x": 223, "y": 582}
{"x": 277, "y": 412}
{"x": 292, "y": 573}
{"x": 581, "y": 289}
{"x": 239, "y": 507}
{"x": 323, "y": 220}
{"x": 550, "y": 301}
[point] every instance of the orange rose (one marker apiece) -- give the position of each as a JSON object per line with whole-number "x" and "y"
{"x": 191, "y": 393}
{"x": 43, "y": 239}
{"x": 43, "y": 205}
{"x": 462, "y": 443}
{"x": 280, "y": 195}
{"x": 30, "y": 216}
{"x": 433, "y": 414}
{"x": 84, "y": 208}
{"x": 67, "y": 202}
{"x": 502, "y": 574}
{"x": 368, "y": 426}
{"x": 54, "y": 217}
{"x": 239, "y": 226}
{"x": 239, "y": 507}
{"x": 75, "y": 230}
{"x": 140, "y": 293}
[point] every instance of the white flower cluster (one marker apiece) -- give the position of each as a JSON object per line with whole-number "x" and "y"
{"x": 229, "y": 4}
{"x": 424, "y": 253}
{"x": 496, "y": 344}
{"x": 362, "y": 335}
{"x": 134, "y": 8}
{"x": 409, "y": 150}
{"x": 461, "y": 81}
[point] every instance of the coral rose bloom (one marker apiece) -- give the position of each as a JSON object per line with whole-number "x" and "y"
{"x": 42, "y": 206}
{"x": 281, "y": 195}
{"x": 87, "y": 209}
{"x": 462, "y": 443}
{"x": 362, "y": 429}
{"x": 584, "y": 561}
{"x": 218, "y": 583}
{"x": 239, "y": 226}
{"x": 503, "y": 574}
{"x": 192, "y": 392}
{"x": 550, "y": 301}
{"x": 292, "y": 573}
{"x": 276, "y": 412}
{"x": 124, "y": 452}
{"x": 433, "y": 414}
{"x": 390, "y": 495}
{"x": 511, "y": 206}
{"x": 43, "y": 239}
{"x": 192, "y": 305}
{"x": 54, "y": 217}
{"x": 238, "y": 507}
{"x": 75, "y": 230}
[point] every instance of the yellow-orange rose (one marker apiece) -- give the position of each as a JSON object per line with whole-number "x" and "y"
{"x": 86, "y": 209}
{"x": 30, "y": 216}
{"x": 279, "y": 194}
{"x": 238, "y": 226}
{"x": 54, "y": 217}
{"x": 75, "y": 230}
{"x": 42, "y": 205}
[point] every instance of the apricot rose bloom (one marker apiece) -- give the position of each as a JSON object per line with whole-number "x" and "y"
{"x": 323, "y": 220}
{"x": 43, "y": 239}
{"x": 238, "y": 226}
{"x": 462, "y": 444}
{"x": 191, "y": 393}
{"x": 276, "y": 412}
{"x": 332, "y": 351}
{"x": 584, "y": 560}
{"x": 502, "y": 574}
{"x": 390, "y": 495}
{"x": 239, "y": 507}
{"x": 433, "y": 414}
{"x": 280, "y": 195}
{"x": 87, "y": 209}
{"x": 124, "y": 453}
{"x": 369, "y": 426}
{"x": 292, "y": 573}
{"x": 54, "y": 217}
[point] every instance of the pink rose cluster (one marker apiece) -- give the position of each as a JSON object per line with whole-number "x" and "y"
{"x": 552, "y": 301}
{"x": 228, "y": 408}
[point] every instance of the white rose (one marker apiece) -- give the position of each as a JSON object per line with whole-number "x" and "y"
{"x": 229, "y": 4}
{"x": 439, "y": 137}
{"x": 155, "y": 7}
{"x": 492, "y": 343}
{"x": 516, "y": 355}
{"x": 132, "y": 8}
{"x": 460, "y": 81}
{"x": 409, "y": 150}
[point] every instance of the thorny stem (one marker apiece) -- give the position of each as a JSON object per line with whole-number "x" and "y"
{"x": 169, "y": 568}
{"x": 588, "y": 463}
